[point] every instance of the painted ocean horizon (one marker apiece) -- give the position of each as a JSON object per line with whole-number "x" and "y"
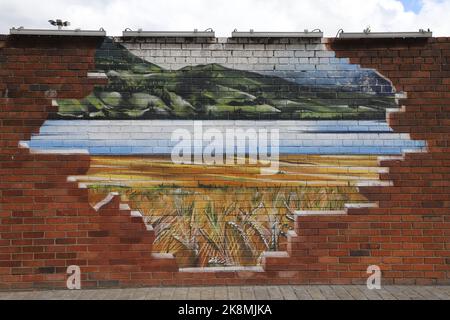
{"x": 154, "y": 137}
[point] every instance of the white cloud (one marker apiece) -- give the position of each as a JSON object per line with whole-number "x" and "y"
{"x": 224, "y": 16}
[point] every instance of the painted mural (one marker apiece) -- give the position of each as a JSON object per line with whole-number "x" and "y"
{"x": 330, "y": 115}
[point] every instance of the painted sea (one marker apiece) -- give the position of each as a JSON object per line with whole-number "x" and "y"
{"x": 153, "y": 137}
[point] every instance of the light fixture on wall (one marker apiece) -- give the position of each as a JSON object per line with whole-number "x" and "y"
{"x": 316, "y": 33}
{"x": 368, "y": 34}
{"x": 59, "y": 23}
{"x": 208, "y": 33}
{"x": 58, "y": 32}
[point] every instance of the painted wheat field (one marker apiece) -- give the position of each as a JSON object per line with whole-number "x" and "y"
{"x": 228, "y": 215}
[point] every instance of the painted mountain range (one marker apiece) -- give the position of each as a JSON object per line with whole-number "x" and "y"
{"x": 139, "y": 89}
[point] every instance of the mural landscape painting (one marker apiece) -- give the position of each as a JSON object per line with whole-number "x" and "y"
{"x": 226, "y": 215}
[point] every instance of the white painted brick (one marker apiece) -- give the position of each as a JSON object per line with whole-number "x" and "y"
{"x": 220, "y": 53}
{"x": 316, "y": 47}
{"x": 158, "y": 60}
{"x": 201, "y": 53}
{"x": 212, "y": 46}
{"x": 233, "y": 46}
{"x": 263, "y": 67}
{"x": 284, "y": 53}
{"x": 132, "y": 46}
{"x": 236, "y": 60}
{"x": 285, "y": 67}
{"x": 326, "y": 67}
{"x": 180, "y": 60}
{"x": 303, "y": 60}
{"x": 164, "y": 53}
{"x": 275, "y": 47}
{"x": 266, "y": 53}
{"x": 254, "y": 47}
{"x": 149, "y": 53}
{"x": 325, "y": 54}
{"x": 305, "y": 67}
{"x": 295, "y": 46}
{"x": 149, "y": 46}
{"x": 190, "y": 60}
{"x": 242, "y": 53}
{"x": 169, "y": 60}
{"x": 216, "y": 60}
{"x": 176, "y": 53}
{"x": 205, "y": 53}
{"x": 171, "y": 46}
{"x": 191, "y": 46}
{"x": 304, "y": 54}
{"x": 200, "y": 60}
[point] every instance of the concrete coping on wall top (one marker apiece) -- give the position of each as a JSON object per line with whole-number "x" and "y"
{"x": 385, "y": 35}
{"x": 211, "y": 34}
{"x": 252, "y": 34}
{"x": 52, "y": 32}
{"x": 169, "y": 34}
{"x": 222, "y": 40}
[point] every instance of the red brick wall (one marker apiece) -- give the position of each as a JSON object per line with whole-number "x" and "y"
{"x": 410, "y": 230}
{"x": 408, "y": 233}
{"x": 47, "y": 224}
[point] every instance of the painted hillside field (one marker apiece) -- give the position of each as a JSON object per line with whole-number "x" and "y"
{"x": 139, "y": 89}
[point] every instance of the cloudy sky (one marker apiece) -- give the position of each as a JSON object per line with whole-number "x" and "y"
{"x": 226, "y": 15}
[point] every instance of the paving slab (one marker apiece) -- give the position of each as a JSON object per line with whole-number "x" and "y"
{"x": 322, "y": 292}
{"x": 288, "y": 293}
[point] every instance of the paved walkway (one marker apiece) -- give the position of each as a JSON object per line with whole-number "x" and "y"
{"x": 243, "y": 293}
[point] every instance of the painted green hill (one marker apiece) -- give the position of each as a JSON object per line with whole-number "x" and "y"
{"x": 138, "y": 89}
